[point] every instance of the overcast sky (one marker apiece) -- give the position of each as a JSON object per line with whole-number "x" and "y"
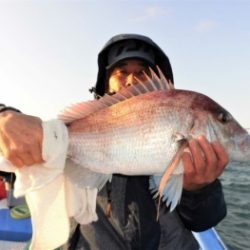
{"x": 48, "y": 49}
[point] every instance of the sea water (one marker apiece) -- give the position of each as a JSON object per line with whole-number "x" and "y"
{"x": 235, "y": 228}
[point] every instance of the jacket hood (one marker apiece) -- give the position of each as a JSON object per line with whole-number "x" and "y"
{"x": 160, "y": 59}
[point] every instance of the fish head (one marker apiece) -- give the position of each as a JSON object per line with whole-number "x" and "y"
{"x": 221, "y": 126}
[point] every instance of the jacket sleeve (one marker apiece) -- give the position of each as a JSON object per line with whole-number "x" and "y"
{"x": 202, "y": 209}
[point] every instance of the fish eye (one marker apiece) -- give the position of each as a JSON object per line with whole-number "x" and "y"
{"x": 224, "y": 117}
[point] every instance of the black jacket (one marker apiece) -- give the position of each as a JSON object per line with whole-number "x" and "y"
{"x": 133, "y": 225}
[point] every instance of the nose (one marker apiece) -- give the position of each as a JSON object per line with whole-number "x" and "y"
{"x": 130, "y": 80}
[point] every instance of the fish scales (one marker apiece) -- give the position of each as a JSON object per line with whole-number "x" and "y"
{"x": 132, "y": 137}
{"x": 145, "y": 134}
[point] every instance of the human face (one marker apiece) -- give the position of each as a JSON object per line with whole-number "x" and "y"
{"x": 124, "y": 74}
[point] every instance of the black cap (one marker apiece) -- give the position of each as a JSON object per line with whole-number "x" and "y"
{"x": 125, "y": 46}
{"x": 129, "y": 49}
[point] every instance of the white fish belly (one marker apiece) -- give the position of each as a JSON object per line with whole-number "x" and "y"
{"x": 143, "y": 147}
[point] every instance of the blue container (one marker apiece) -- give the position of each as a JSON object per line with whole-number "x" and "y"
{"x": 14, "y": 229}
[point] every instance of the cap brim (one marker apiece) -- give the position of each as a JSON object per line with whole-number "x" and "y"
{"x": 148, "y": 60}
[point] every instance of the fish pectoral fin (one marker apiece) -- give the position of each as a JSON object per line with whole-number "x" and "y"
{"x": 83, "y": 177}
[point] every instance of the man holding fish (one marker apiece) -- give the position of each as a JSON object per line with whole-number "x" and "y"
{"x": 125, "y": 207}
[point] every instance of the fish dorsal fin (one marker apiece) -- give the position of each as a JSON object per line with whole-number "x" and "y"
{"x": 154, "y": 82}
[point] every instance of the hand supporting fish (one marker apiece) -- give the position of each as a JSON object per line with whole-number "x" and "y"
{"x": 21, "y": 138}
{"x": 209, "y": 163}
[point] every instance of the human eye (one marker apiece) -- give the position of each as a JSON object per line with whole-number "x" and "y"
{"x": 122, "y": 72}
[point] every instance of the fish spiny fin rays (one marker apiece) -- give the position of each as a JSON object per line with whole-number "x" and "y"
{"x": 173, "y": 189}
{"x": 154, "y": 82}
{"x": 167, "y": 84}
{"x": 80, "y": 110}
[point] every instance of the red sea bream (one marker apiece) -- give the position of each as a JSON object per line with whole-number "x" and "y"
{"x": 142, "y": 130}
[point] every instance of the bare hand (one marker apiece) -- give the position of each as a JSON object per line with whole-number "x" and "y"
{"x": 21, "y": 138}
{"x": 205, "y": 163}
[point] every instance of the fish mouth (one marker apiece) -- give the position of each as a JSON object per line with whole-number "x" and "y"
{"x": 238, "y": 147}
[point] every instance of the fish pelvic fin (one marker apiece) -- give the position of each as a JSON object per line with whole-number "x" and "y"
{"x": 172, "y": 190}
{"x": 155, "y": 82}
{"x": 168, "y": 186}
